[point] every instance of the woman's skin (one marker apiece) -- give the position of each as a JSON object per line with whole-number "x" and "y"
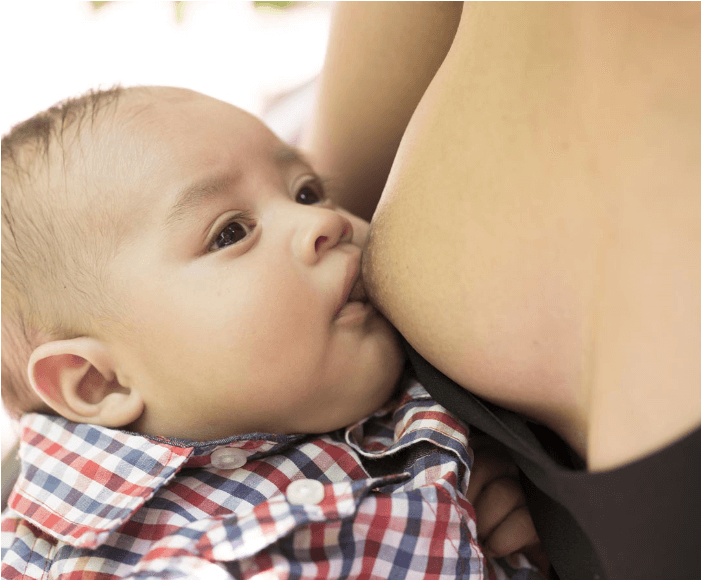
{"x": 537, "y": 237}
{"x": 381, "y": 57}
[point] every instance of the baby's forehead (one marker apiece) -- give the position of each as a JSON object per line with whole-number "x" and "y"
{"x": 144, "y": 104}
{"x": 174, "y": 116}
{"x": 177, "y": 134}
{"x": 170, "y": 135}
{"x": 128, "y": 134}
{"x": 94, "y": 160}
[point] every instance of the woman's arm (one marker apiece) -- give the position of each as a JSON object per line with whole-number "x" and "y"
{"x": 380, "y": 59}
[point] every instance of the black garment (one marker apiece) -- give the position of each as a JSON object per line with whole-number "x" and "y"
{"x": 640, "y": 521}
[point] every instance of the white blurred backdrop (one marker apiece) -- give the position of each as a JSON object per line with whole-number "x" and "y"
{"x": 232, "y": 50}
{"x": 244, "y": 53}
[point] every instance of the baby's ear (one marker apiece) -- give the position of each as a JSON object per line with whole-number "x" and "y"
{"x": 77, "y": 379}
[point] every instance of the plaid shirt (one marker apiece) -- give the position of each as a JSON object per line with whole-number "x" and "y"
{"x": 381, "y": 499}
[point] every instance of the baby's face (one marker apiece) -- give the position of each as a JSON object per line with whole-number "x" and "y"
{"x": 235, "y": 283}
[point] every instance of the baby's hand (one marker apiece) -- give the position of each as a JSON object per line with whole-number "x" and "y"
{"x": 503, "y": 520}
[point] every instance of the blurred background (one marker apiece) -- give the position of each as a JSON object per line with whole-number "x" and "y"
{"x": 261, "y": 56}
{"x": 246, "y": 53}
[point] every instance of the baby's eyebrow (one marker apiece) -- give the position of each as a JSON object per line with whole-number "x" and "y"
{"x": 213, "y": 186}
{"x": 198, "y": 192}
{"x": 286, "y": 154}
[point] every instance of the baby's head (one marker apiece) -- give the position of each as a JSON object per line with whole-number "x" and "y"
{"x": 171, "y": 267}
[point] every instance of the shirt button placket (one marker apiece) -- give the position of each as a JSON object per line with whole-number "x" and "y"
{"x": 305, "y": 491}
{"x": 228, "y": 458}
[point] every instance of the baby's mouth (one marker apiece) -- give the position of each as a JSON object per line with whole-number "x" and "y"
{"x": 356, "y": 297}
{"x": 358, "y": 292}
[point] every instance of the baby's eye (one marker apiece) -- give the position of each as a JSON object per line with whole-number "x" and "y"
{"x": 231, "y": 234}
{"x": 308, "y": 194}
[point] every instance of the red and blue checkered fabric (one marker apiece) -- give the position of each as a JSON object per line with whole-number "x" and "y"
{"x": 96, "y": 503}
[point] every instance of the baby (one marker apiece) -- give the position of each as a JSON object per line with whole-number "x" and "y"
{"x": 203, "y": 389}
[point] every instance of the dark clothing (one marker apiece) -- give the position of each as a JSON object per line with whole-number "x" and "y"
{"x": 640, "y": 521}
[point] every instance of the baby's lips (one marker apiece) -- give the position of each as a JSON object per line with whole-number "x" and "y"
{"x": 358, "y": 291}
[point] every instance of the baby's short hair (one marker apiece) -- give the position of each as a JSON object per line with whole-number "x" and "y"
{"x": 53, "y": 275}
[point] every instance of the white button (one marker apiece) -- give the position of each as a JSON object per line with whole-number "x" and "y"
{"x": 305, "y": 492}
{"x": 228, "y": 458}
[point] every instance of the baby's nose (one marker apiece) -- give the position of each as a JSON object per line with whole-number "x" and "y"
{"x": 326, "y": 230}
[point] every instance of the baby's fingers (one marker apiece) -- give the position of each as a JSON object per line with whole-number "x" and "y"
{"x": 497, "y": 500}
{"x": 491, "y": 461}
{"x": 515, "y": 533}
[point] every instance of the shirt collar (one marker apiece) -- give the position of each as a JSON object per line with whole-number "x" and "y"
{"x": 79, "y": 482}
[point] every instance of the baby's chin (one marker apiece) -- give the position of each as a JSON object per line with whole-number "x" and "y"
{"x": 365, "y": 404}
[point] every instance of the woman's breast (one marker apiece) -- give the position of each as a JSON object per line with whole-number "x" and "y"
{"x": 481, "y": 249}
{"x": 507, "y": 245}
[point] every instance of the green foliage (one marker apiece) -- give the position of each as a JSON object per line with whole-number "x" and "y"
{"x": 179, "y": 11}
{"x": 180, "y": 7}
{"x": 274, "y": 5}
